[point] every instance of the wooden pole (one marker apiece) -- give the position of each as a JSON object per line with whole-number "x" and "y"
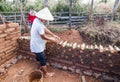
{"x": 2, "y": 18}
{"x": 114, "y": 9}
{"x": 46, "y": 5}
{"x": 91, "y": 11}
{"x": 70, "y": 13}
{"x": 22, "y": 17}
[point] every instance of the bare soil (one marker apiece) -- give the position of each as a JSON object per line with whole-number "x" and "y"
{"x": 70, "y": 36}
{"x": 27, "y": 66}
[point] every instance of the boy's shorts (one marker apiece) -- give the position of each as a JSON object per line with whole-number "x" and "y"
{"x": 41, "y": 57}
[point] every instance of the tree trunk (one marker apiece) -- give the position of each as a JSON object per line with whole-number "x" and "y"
{"x": 114, "y": 9}
{"x": 22, "y": 16}
{"x": 91, "y": 10}
{"x": 45, "y": 3}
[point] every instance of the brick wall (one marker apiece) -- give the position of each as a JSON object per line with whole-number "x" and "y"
{"x": 9, "y": 34}
{"x": 90, "y": 60}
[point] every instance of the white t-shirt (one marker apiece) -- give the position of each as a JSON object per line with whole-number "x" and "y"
{"x": 37, "y": 44}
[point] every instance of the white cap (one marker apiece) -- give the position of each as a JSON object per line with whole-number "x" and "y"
{"x": 45, "y": 14}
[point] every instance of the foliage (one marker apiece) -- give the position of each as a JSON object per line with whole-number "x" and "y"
{"x": 5, "y": 7}
{"x": 61, "y": 7}
{"x": 14, "y": 6}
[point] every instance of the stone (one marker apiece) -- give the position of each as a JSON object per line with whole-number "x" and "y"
{"x": 78, "y": 71}
{"x": 30, "y": 58}
{"x": 14, "y": 61}
{"x": 59, "y": 66}
{"x": 20, "y": 72}
{"x": 20, "y": 57}
{"x": 71, "y": 69}
{"x": 83, "y": 79}
{"x": 48, "y": 64}
{"x": 96, "y": 75}
{"x": 7, "y": 65}
{"x": 88, "y": 72}
{"x": 52, "y": 64}
{"x": 2, "y": 70}
{"x": 108, "y": 78}
{"x": 24, "y": 57}
{"x": 65, "y": 67}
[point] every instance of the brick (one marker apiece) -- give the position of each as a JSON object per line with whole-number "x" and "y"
{"x": 7, "y": 41}
{"x": 62, "y": 61}
{"x": 18, "y": 28}
{"x": 15, "y": 33}
{"x": 3, "y": 35}
{"x": 6, "y": 56}
{"x": 2, "y": 48}
{"x": 2, "y": 27}
{"x": 10, "y": 50}
{"x": 2, "y": 40}
{"x": 7, "y": 37}
{"x": 1, "y": 31}
{"x": 10, "y": 25}
{"x": 1, "y": 55}
{"x": 83, "y": 66}
{"x": 14, "y": 38}
{"x": 9, "y": 30}
{"x": 10, "y": 44}
{"x": 100, "y": 69}
{"x": 7, "y": 48}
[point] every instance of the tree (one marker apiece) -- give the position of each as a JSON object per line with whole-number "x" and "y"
{"x": 45, "y": 3}
{"x": 91, "y": 10}
{"x": 114, "y": 9}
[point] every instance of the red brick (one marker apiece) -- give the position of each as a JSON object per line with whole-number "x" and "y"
{"x": 10, "y": 50}
{"x": 15, "y": 33}
{"x": 62, "y": 61}
{"x": 2, "y": 27}
{"x": 9, "y": 30}
{"x": 7, "y": 41}
{"x": 2, "y": 40}
{"x": 7, "y": 48}
{"x": 7, "y": 37}
{"x": 14, "y": 38}
{"x": 100, "y": 69}
{"x": 83, "y": 66}
{"x": 11, "y": 43}
{"x": 10, "y": 25}
{"x": 3, "y": 35}
{"x": 18, "y": 28}
{"x": 1, "y": 31}
{"x": 2, "y": 54}
{"x": 2, "y": 48}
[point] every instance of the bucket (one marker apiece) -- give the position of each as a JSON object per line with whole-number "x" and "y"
{"x": 35, "y": 76}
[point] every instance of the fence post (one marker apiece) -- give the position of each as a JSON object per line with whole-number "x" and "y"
{"x": 15, "y": 17}
{"x": 70, "y": 12}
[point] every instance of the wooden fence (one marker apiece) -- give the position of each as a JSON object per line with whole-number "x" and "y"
{"x": 78, "y": 18}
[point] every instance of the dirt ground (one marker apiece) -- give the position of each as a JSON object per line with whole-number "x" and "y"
{"x": 70, "y": 36}
{"x": 20, "y": 71}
